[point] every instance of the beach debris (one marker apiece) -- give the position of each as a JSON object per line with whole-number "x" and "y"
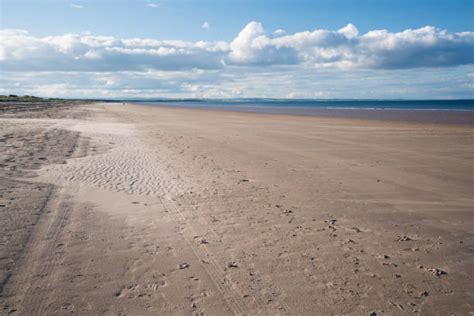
{"x": 331, "y": 221}
{"x": 183, "y": 265}
{"x": 373, "y": 313}
{"x": 424, "y": 294}
{"x": 243, "y": 180}
{"x": 194, "y": 305}
{"x": 400, "y": 306}
{"x": 356, "y": 229}
{"x": 203, "y": 242}
{"x": 287, "y": 211}
{"x": 232, "y": 264}
{"x": 435, "y": 271}
{"x": 403, "y": 238}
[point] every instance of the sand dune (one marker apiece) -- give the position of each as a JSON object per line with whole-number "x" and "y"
{"x": 178, "y": 211}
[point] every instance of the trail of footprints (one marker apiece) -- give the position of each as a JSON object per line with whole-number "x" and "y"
{"x": 132, "y": 168}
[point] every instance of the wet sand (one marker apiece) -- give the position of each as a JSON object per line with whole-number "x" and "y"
{"x": 433, "y": 116}
{"x": 179, "y": 211}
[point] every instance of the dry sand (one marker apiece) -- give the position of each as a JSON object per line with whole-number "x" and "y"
{"x": 136, "y": 210}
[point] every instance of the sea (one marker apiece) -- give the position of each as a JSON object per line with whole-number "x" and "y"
{"x": 431, "y": 111}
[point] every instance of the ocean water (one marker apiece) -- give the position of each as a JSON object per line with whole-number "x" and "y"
{"x": 447, "y": 105}
{"x": 434, "y": 111}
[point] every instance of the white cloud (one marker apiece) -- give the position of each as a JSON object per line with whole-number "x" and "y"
{"x": 206, "y": 26}
{"x": 153, "y": 5}
{"x": 279, "y": 32}
{"x": 77, "y": 6}
{"x": 349, "y": 31}
{"x": 252, "y": 46}
{"x": 343, "y": 49}
{"x": 254, "y": 63}
{"x": 276, "y": 82}
{"x": 84, "y": 52}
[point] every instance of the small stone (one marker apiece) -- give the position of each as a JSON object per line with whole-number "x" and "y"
{"x": 424, "y": 293}
{"x": 437, "y": 272}
{"x": 183, "y": 265}
{"x": 232, "y": 264}
{"x": 373, "y": 313}
{"x": 403, "y": 238}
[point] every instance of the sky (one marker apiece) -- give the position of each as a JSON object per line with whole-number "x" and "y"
{"x": 364, "y": 49}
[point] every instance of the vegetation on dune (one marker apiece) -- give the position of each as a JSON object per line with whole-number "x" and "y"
{"x": 16, "y": 98}
{"x": 34, "y": 99}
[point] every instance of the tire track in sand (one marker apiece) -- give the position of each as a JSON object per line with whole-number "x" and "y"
{"x": 34, "y": 275}
{"x": 131, "y": 168}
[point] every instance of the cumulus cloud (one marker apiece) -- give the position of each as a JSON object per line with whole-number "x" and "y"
{"x": 20, "y": 51}
{"x": 344, "y": 48}
{"x": 205, "y": 26}
{"x": 254, "y": 63}
{"x": 253, "y": 47}
{"x": 153, "y": 5}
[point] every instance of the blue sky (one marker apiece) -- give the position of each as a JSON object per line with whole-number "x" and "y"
{"x": 183, "y": 19}
{"x": 321, "y": 49}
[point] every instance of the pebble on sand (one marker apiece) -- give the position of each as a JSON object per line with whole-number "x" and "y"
{"x": 435, "y": 271}
{"x": 403, "y": 238}
{"x": 183, "y": 265}
{"x": 232, "y": 264}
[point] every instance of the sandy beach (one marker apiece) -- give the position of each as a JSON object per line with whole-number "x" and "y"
{"x": 127, "y": 210}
